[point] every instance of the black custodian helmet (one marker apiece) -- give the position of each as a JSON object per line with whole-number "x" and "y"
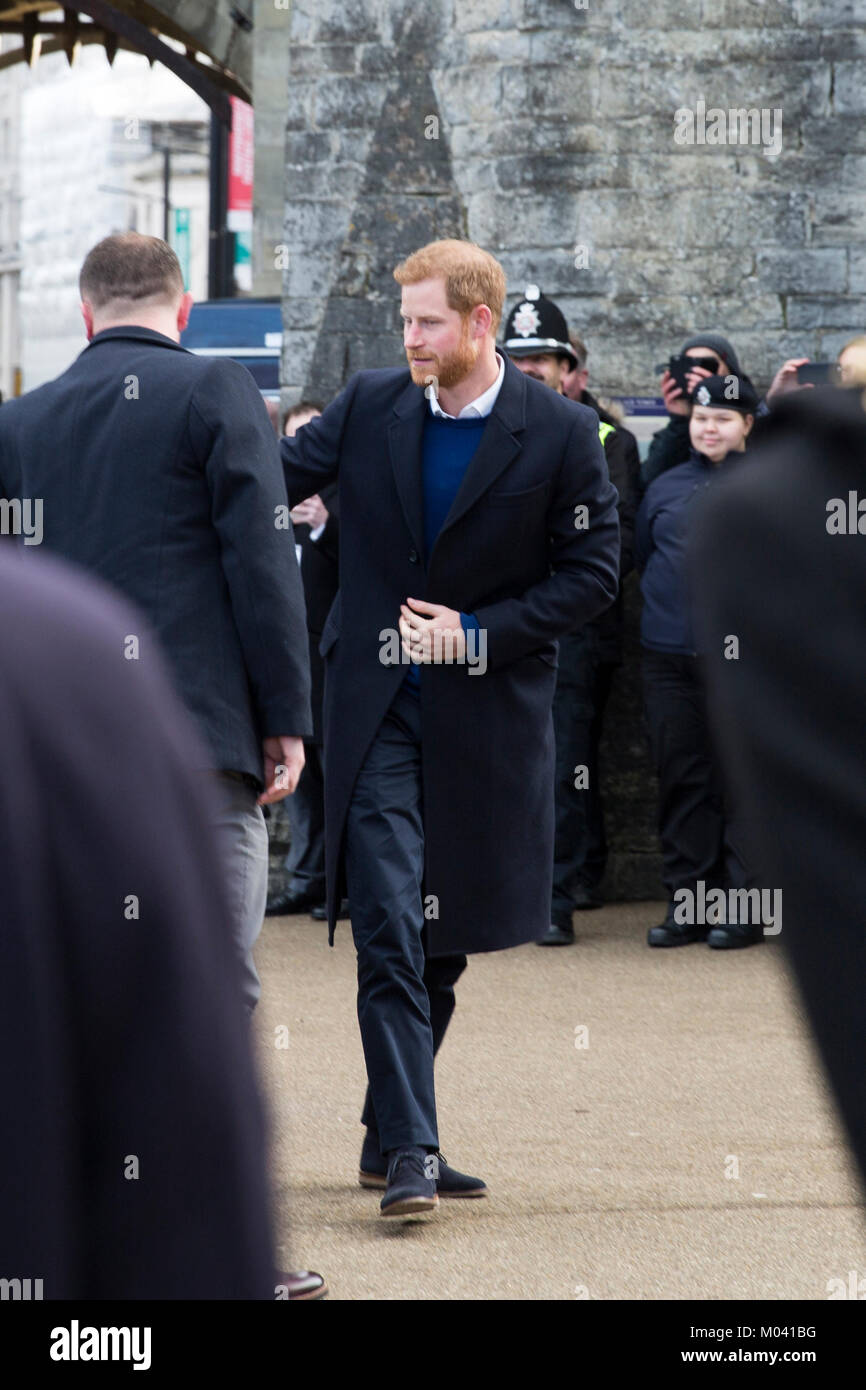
{"x": 535, "y": 326}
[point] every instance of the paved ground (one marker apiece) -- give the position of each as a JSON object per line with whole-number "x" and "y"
{"x": 608, "y": 1163}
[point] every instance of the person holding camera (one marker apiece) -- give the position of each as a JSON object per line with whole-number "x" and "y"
{"x": 704, "y": 355}
{"x": 699, "y": 842}
{"x": 849, "y": 369}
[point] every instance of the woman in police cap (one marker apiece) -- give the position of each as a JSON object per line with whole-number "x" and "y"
{"x": 699, "y": 842}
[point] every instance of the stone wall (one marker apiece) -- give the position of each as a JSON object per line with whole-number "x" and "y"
{"x": 545, "y": 130}
{"x": 556, "y": 133}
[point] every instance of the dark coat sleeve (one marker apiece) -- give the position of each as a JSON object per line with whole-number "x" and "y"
{"x": 311, "y": 458}
{"x": 133, "y": 1162}
{"x": 233, "y": 437}
{"x": 585, "y": 563}
{"x": 623, "y": 465}
{"x": 643, "y": 543}
{"x": 668, "y": 447}
{"x": 329, "y": 541}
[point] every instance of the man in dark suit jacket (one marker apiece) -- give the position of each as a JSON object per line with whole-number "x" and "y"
{"x": 316, "y": 543}
{"x": 779, "y": 563}
{"x": 159, "y": 471}
{"x": 477, "y": 524}
{"x": 133, "y": 1156}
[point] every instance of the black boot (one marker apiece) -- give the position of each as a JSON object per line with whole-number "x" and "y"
{"x": 671, "y": 933}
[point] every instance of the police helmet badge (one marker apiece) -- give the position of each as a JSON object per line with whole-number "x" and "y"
{"x": 526, "y": 320}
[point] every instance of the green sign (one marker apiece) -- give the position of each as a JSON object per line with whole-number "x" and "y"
{"x": 180, "y": 242}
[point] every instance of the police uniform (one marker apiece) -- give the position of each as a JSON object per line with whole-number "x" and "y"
{"x": 588, "y": 656}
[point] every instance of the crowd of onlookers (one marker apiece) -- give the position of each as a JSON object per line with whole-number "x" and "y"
{"x": 714, "y": 415}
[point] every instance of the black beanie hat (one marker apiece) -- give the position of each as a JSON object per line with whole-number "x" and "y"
{"x": 729, "y": 392}
{"x": 716, "y": 343}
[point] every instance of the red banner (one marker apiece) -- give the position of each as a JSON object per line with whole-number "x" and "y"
{"x": 240, "y": 193}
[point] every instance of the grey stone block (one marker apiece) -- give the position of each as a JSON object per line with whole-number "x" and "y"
{"x": 818, "y": 312}
{"x": 477, "y": 15}
{"x": 560, "y": 172}
{"x": 830, "y": 343}
{"x": 311, "y": 59}
{"x": 802, "y": 270}
{"x": 748, "y": 15}
{"x": 857, "y": 270}
{"x": 829, "y": 14}
{"x": 352, "y": 21}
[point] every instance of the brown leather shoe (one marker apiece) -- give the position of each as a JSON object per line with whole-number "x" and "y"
{"x": 300, "y": 1284}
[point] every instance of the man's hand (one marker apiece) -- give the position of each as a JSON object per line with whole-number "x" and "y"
{"x": 675, "y": 401}
{"x": 284, "y": 762}
{"x": 432, "y": 639}
{"x": 311, "y": 512}
{"x": 786, "y": 378}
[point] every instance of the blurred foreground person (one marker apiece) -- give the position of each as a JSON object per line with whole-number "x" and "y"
{"x": 698, "y": 838}
{"x": 133, "y": 1159}
{"x": 163, "y": 477}
{"x": 789, "y": 712}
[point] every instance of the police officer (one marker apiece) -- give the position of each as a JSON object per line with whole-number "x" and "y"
{"x": 538, "y": 342}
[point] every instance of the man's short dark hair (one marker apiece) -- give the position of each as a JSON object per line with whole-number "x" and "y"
{"x": 130, "y": 268}
{"x": 302, "y": 408}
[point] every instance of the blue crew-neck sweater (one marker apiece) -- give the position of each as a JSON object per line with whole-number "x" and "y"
{"x": 447, "y": 449}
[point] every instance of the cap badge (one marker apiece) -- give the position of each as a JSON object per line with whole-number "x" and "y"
{"x": 702, "y": 396}
{"x": 526, "y": 320}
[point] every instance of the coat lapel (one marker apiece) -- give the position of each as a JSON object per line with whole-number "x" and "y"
{"x": 404, "y": 444}
{"x": 499, "y": 445}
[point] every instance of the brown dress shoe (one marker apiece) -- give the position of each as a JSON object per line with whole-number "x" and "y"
{"x": 300, "y": 1284}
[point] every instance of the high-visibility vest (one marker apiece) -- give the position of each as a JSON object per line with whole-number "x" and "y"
{"x": 605, "y": 430}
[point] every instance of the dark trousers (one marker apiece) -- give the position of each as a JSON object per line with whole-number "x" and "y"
{"x": 580, "y": 846}
{"x": 405, "y": 998}
{"x": 305, "y": 808}
{"x": 700, "y": 837}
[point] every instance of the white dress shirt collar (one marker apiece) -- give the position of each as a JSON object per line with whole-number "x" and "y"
{"x": 478, "y": 408}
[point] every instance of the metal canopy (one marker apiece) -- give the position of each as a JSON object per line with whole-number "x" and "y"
{"x": 217, "y": 61}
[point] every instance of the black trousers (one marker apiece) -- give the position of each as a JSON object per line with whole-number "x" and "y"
{"x": 305, "y": 808}
{"x": 405, "y": 998}
{"x": 580, "y": 845}
{"x": 700, "y": 836}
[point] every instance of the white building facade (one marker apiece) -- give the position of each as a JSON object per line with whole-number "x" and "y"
{"x": 81, "y": 158}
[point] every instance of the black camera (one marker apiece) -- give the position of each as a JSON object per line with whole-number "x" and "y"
{"x": 680, "y": 365}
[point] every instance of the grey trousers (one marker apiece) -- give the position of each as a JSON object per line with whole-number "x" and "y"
{"x": 243, "y": 835}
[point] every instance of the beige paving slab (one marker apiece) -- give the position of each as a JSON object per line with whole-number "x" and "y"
{"x": 651, "y": 1124}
